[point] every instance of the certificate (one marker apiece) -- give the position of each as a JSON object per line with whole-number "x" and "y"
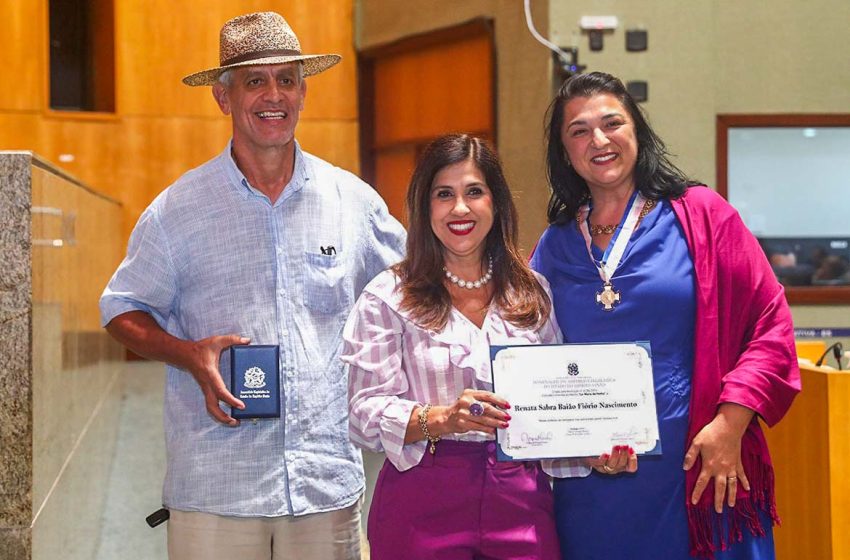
{"x": 575, "y": 400}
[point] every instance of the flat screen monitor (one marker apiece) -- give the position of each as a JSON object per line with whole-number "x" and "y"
{"x": 791, "y": 184}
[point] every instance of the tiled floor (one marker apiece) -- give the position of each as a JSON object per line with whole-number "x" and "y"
{"x": 135, "y": 484}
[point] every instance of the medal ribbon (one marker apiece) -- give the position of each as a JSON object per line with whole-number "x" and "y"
{"x": 617, "y": 246}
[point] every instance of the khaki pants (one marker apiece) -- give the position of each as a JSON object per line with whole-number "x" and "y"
{"x": 333, "y": 535}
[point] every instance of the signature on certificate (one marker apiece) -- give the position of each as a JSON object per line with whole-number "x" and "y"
{"x": 626, "y": 436}
{"x": 536, "y": 439}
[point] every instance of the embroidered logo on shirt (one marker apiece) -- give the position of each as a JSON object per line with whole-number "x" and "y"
{"x": 255, "y": 378}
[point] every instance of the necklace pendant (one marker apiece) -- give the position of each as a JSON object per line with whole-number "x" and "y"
{"x": 608, "y": 297}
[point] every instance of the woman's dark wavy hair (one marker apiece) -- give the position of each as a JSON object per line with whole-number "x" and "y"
{"x": 655, "y": 175}
{"x": 520, "y": 297}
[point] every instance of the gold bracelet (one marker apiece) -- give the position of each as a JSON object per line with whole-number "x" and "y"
{"x": 423, "y": 425}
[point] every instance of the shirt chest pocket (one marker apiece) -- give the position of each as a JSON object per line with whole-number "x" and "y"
{"x": 325, "y": 284}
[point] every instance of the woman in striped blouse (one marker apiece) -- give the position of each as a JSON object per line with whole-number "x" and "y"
{"x": 417, "y": 343}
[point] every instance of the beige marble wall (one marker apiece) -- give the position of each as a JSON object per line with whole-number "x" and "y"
{"x": 59, "y": 382}
{"x": 15, "y": 359}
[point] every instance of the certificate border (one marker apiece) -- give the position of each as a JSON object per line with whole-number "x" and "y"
{"x": 495, "y": 349}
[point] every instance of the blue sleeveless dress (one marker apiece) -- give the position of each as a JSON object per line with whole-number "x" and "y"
{"x": 641, "y": 515}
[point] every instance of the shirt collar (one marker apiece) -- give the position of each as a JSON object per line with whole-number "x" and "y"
{"x": 300, "y": 175}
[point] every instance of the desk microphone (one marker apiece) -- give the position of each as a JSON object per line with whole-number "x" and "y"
{"x": 837, "y": 352}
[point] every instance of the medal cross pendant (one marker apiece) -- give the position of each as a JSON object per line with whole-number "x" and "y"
{"x": 608, "y": 297}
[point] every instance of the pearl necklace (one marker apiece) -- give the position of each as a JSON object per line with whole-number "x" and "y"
{"x": 469, "y": 284}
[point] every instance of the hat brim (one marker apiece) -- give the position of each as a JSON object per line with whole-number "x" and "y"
{"x": 313, "y": 64}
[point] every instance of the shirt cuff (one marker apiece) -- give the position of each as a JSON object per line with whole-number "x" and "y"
{"x": 565, "y": 468}
{"x": 112, "y": 308}
{"x": 394, "y": 421}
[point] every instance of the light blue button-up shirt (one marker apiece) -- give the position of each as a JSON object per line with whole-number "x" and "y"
{"x": 212, "y": 256}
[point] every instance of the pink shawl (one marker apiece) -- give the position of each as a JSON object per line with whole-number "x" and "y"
{"x": 744, "y": 353}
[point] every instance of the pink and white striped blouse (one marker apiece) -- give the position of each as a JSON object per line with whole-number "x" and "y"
{"x": 396, "y": 365}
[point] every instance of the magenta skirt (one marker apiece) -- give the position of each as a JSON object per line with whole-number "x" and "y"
{"x": 462, "y": 504}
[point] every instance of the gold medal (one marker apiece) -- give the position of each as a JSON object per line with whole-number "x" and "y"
{"x": 608, "y": 297}
{"x": 639, "y": 207}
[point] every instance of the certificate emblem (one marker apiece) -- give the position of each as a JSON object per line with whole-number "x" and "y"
{"x": 572, "y": 368}
{"x": 255, "y": 378}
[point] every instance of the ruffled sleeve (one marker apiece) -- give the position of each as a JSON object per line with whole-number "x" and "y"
{"x": 378, "y": 416}
{"x": 565, "y": 468}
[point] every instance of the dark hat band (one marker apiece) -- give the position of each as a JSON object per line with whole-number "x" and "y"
{"x": 260, "y": 54}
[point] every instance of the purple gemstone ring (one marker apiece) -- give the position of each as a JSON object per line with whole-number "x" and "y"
{"x": 476, "y": 408}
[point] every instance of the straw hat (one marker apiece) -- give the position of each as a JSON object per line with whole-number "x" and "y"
{"x": 260, "y": 38}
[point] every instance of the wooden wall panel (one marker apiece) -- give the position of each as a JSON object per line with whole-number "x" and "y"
{"x": 342, "y": 152}
{"x": 19, "y": 131}
{"x": 162, "y": 41}
{"x": 154, "y": 57}
{"x": 93, "y": 145}
{"x": 415, "y": 100}
{"x": 393, "y": 169}
{"x": 408, "y": 100}
{"x": 23, "y": 55}
{"x": 331, "y": 94}
{"x": 161, "y": 128}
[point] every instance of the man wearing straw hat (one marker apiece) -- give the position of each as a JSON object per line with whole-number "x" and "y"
{"x": 268, "y": 245}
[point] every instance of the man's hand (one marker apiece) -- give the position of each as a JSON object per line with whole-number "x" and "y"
{"x": 203, "y": 361}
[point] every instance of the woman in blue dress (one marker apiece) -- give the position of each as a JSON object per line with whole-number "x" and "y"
{"x": 636, "y": 251}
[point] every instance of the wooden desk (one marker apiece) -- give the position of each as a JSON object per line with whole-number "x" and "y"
{"x": 811, "y": 350}
{"x": 811, "y": 455}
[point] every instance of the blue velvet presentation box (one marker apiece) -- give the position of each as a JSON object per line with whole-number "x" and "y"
{"x": 255, "y": 380}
